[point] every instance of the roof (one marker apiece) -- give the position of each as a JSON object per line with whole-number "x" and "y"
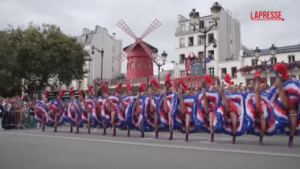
{"x": 150, "y": 46}
{"x": 284, "y": 49}
{"x": 85, "y": 39}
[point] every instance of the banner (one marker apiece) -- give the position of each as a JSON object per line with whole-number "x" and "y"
{"x": 196, "y": 68}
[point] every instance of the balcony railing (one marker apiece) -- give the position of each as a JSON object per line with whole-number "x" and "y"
{"x": 184, "y": 29}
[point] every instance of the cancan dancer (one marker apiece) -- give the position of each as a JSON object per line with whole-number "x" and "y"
{"x": 230, "y": 108}
{"x": 56, "y": 108}
{"x": 150, "y": 112}
{"x": 74, "y": 111}
{"x": 124, "y": 102}
{"x": 209, "y": 110}
{"x": 286, "y": 103}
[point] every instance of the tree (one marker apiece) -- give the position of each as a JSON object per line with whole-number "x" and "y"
{"x": 9, "y": 82}
{"x": 45, "y": 52}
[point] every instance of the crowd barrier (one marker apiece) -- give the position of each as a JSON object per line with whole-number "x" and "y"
{"x": 17, "y": 120}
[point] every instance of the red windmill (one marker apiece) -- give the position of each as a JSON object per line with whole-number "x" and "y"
{"x": 139, "y": 53}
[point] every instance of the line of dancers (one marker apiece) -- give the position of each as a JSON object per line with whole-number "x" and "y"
{"x": 211, "y": 109}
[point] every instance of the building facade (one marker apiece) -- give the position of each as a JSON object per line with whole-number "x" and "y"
{"x": 226, "y": 35}
{"x": 111, "y": 46}
{"x": 290, "y": 55}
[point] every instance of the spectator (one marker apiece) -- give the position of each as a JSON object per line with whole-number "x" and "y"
{"x": 12, "y": 112}
{"x": 1, "y": 109}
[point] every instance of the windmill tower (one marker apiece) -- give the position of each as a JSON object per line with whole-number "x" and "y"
{"x": 139, "y": 53}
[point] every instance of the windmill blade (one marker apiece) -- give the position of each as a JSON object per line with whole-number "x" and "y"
{"x": 146, "y": 48}
{"x": 123, "y": 55}
{"x": 121, "y": 24}
{"x": 154, "y": 25}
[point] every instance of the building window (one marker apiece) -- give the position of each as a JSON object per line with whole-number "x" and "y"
{"x": 182, "y": 28}
{"x": 200, "y": 40}
{"x": 131, "y": 65}
{"x": 138, "y": 64}
{"x": 181, "y": 42}
{"x": 201, "y": 24}
{"x": 150, "y": 66}
{"x": 145, "y": 65}
{"x": 274, "y": 60}
{"x": 211, "y": 71}
{"x": 211, "y": 38}
{"x": 112, "y": 68}
{"x": 201, "y": 55}
{"x": 127, "y": 65}
{"x": 211, "y": 54}
{"x": 182, "y": 57}
{"x": 113, "y": 59}
{"x": 291, "y": 58}
{"x": 191, "y": 41}
{"x": 223, "y": 72}
{"x": 253, "y": 62}
{"x": 234, "y": 72}
{"x": 182, "y": 73}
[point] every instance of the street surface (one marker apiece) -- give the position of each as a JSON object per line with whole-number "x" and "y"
{"x": 34, "y": 149}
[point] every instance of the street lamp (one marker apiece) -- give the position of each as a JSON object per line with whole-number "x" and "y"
{"x": 156, "y": 58}
{"x": 102, "y": 52}
{"x": 264, "y": 62}
{"x": 195, "y": 20}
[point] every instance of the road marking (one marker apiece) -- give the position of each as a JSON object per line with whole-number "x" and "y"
{"x": 159, "y": 145}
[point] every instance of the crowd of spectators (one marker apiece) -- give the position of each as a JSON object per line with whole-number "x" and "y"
{"x": 16, "y": 112}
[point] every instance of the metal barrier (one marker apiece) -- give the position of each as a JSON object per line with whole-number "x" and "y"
{"x": 15, "y": 120}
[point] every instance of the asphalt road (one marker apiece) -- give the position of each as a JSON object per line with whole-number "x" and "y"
{"x": 34, "y": 149}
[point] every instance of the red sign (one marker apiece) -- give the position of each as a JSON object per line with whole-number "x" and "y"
{"x": 266, "y": 15}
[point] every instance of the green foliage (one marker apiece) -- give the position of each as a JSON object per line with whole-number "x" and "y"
{"x": 39, "y": 53}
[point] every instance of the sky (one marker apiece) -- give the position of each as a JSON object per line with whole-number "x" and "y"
{"x": 74, "y": 15}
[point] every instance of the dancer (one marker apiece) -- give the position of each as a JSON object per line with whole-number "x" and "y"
{"x": 87, "y": 106}
{"x": 109, "y": 109}
{"x": 74, "y": 111}
{"x": 289, "y": 103}
{"x": 233, "y": 109}
{"x": 41, "y": 109}
{"x": 258, "y": 106}
{"x": 209, "y": 111}
{"x": 124, "y": 102}
{"x": 165, "y": 114}
{"x": 150, "y": 112}
{"x": 134, "y": 115}
{"x": 182, "y": 111}
{"x": 56, "y": 108}
{"x": 97, "y": 111}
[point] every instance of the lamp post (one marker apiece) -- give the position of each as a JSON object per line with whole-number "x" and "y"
{"x": 264, "y": 62}
{"x": 195, "y": 20}
{"x": 102, "y": 52}
{"x": 156, "y": 58}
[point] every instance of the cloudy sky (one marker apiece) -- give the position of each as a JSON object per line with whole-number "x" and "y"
{"x": 73, "y": 15}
